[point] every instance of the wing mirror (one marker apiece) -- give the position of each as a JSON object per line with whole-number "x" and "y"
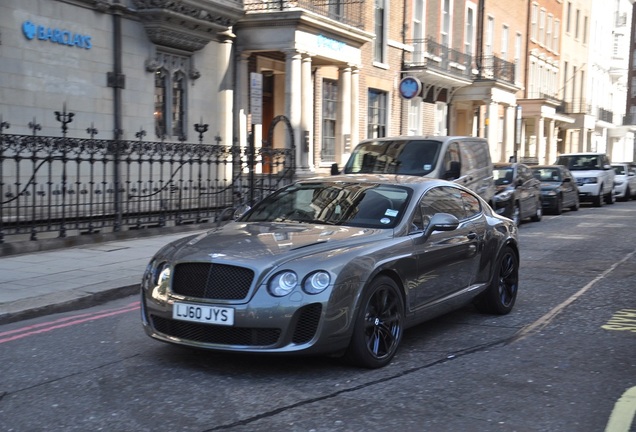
{"x": 241, "y": 210}
{"x": 441, "y": 222}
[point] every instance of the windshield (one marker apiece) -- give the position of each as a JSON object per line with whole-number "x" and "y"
{"x": 547, "y": 174}
{"x": 580, "y": 162}
{"x": 503, "y": 176}
{"x": 334, "y": 203}
{"x": 415, "y": 157}
{"x": 619, "y": 169}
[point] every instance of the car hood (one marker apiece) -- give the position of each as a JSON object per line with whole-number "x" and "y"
{"x": 585, "y": 173}
{"x": 548, "y": 186}
{"x": 501, "y": 188}
{"x": 253, "y": 242}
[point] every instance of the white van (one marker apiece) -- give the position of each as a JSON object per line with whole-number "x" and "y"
{"x": 462, "y": 159}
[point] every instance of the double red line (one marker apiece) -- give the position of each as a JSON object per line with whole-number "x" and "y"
{"x": 35, "y": 329}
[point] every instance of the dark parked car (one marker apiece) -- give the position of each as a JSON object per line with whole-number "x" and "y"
{"x": 518, "y": 193}
{"x": 558, "y": 188}
{"x": 338, "y": 265}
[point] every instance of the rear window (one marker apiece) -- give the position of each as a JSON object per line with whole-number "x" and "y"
{"x": 581, "y": 162}
{"x": 414, "y": 157}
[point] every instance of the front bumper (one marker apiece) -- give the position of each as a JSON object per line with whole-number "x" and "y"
{"x": 295, "y": 323}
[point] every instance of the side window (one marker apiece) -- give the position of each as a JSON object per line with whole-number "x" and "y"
{"x": 472, "y": 207}
{"x": 443, "y": 199}
{"x": 452, "y": 160}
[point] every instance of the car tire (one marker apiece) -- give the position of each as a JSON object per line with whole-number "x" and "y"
{"x": 610, "y": 198}
{"x": 538, "y": 212}
{"x": 501, "y": 294}
{"x": 558, "y": 208}
{"x": 577, "y": 204}
{"x": 628, "y": 194}
{"x": 598, "y": 200}
{"x": 378, "y": 326}
{"x": 516, "y": 214}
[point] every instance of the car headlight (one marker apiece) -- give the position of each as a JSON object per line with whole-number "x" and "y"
{"x": 282, "y": 283}
{"x": 618, "y": 183}
{"x": 505, "y": 195}
{"x": 162, "y": 273}
{"x": 316, "y": 282}
{"x": 551, "y": 193}
{"x": 587, "y": 180}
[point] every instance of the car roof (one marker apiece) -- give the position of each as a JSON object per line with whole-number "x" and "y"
{"x": 439, "y": 138}
{"x": 583, "y": 154}
{"x": 388, "y": 179}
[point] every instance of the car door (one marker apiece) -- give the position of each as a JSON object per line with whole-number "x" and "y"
{"x": 529, "y": 191}
{"x": 447, "y": 261}
{"x": 569, "y": 188}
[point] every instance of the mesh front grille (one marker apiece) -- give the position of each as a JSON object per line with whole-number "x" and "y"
{"x": 212, "y": 281}
{"x": 307, "y": 323}
{"x": 207, "y": 333}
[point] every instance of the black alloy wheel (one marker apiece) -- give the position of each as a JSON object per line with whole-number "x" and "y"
{"x": 379, "y": 325}
{"x": 558, "y": 208}
{"x": 501, "y": 294}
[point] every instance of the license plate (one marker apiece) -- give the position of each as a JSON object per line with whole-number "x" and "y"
{"x": 203, "y": 314}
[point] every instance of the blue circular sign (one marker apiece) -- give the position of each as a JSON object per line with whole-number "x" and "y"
{"x": 410, "y": 87}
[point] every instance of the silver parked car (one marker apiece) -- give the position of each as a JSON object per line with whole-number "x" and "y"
{"x": 338, "y": 265}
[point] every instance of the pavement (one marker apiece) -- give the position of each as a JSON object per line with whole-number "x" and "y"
{"x": 38, "y": 283}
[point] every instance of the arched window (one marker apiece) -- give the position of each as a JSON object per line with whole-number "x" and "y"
{"x": 170, "y": 111}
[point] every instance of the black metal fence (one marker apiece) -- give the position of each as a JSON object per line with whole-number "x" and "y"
{"x": 69, "y": 186}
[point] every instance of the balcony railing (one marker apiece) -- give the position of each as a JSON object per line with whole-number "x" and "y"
{"x": 349, "y": 12}
{"x": 428, "y": 53}
{"x": 576, "y": 106}
{"x": 605, "y": 115}
{"x": 495, "y": 68}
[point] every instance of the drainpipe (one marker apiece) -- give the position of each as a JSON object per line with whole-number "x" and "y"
{"x": 116, "y": 80}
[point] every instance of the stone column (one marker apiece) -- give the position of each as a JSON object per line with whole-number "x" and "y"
{"x": 539, "y": 129}
{"x": 226, "y": 93}
{"x": 293, "y": 103}
{"x": 550, "y": 154}
{"x": 343, "y": 120}
{"x": 355, "y": 109}
{"x": 492, "y": 127}
{"x": 242, "y": 100}
{"x": 307, "y": 116}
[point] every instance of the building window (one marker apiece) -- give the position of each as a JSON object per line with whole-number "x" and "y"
{"x": 542, "y": 27}
{"x": 418, "y": 31}
{"x": 518, "y": 57}
{"x": 376, "y": 117}
{"x": 170, "y": 110}
{"x": 380, "y": 36}
{"x": 178, "y": 106}
{"x": 446, "y": 23}
{"x": 441, "y": 113}
{"x": 548, "y": 33}
{"x": 568, "y": 17}
{"x": 576, "y": 24}
{"x": 585, "y": 30}
{"x": 415, "y": 117}
{"x": 504, "y": 42}
{"x": 490, "y": 33}
{"x": 469, "y": 37}
{"x": 555, "y": 36}
{"x": 161, "y": 108}
{"x": 329, "y": 109}
{"x": 534, "y": 17}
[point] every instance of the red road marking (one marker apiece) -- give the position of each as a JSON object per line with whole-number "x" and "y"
{"x": 32, "y": 330}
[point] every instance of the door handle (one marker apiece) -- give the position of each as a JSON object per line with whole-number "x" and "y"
{"x": 472, "y": 236}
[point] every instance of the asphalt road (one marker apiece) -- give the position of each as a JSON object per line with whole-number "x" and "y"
{"x": 563, "y": 360}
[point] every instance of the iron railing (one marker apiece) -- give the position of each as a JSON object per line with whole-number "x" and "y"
{"x": 70, "y": 186}
{"x": 495, "y": 68}
{"x": 428, "y": 53}
{"x": 349, "y": 12}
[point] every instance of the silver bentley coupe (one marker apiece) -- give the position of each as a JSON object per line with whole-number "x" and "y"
{"x": 337, "y": 265}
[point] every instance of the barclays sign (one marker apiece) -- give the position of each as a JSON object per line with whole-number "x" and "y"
{"x": 63, "y": 37}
